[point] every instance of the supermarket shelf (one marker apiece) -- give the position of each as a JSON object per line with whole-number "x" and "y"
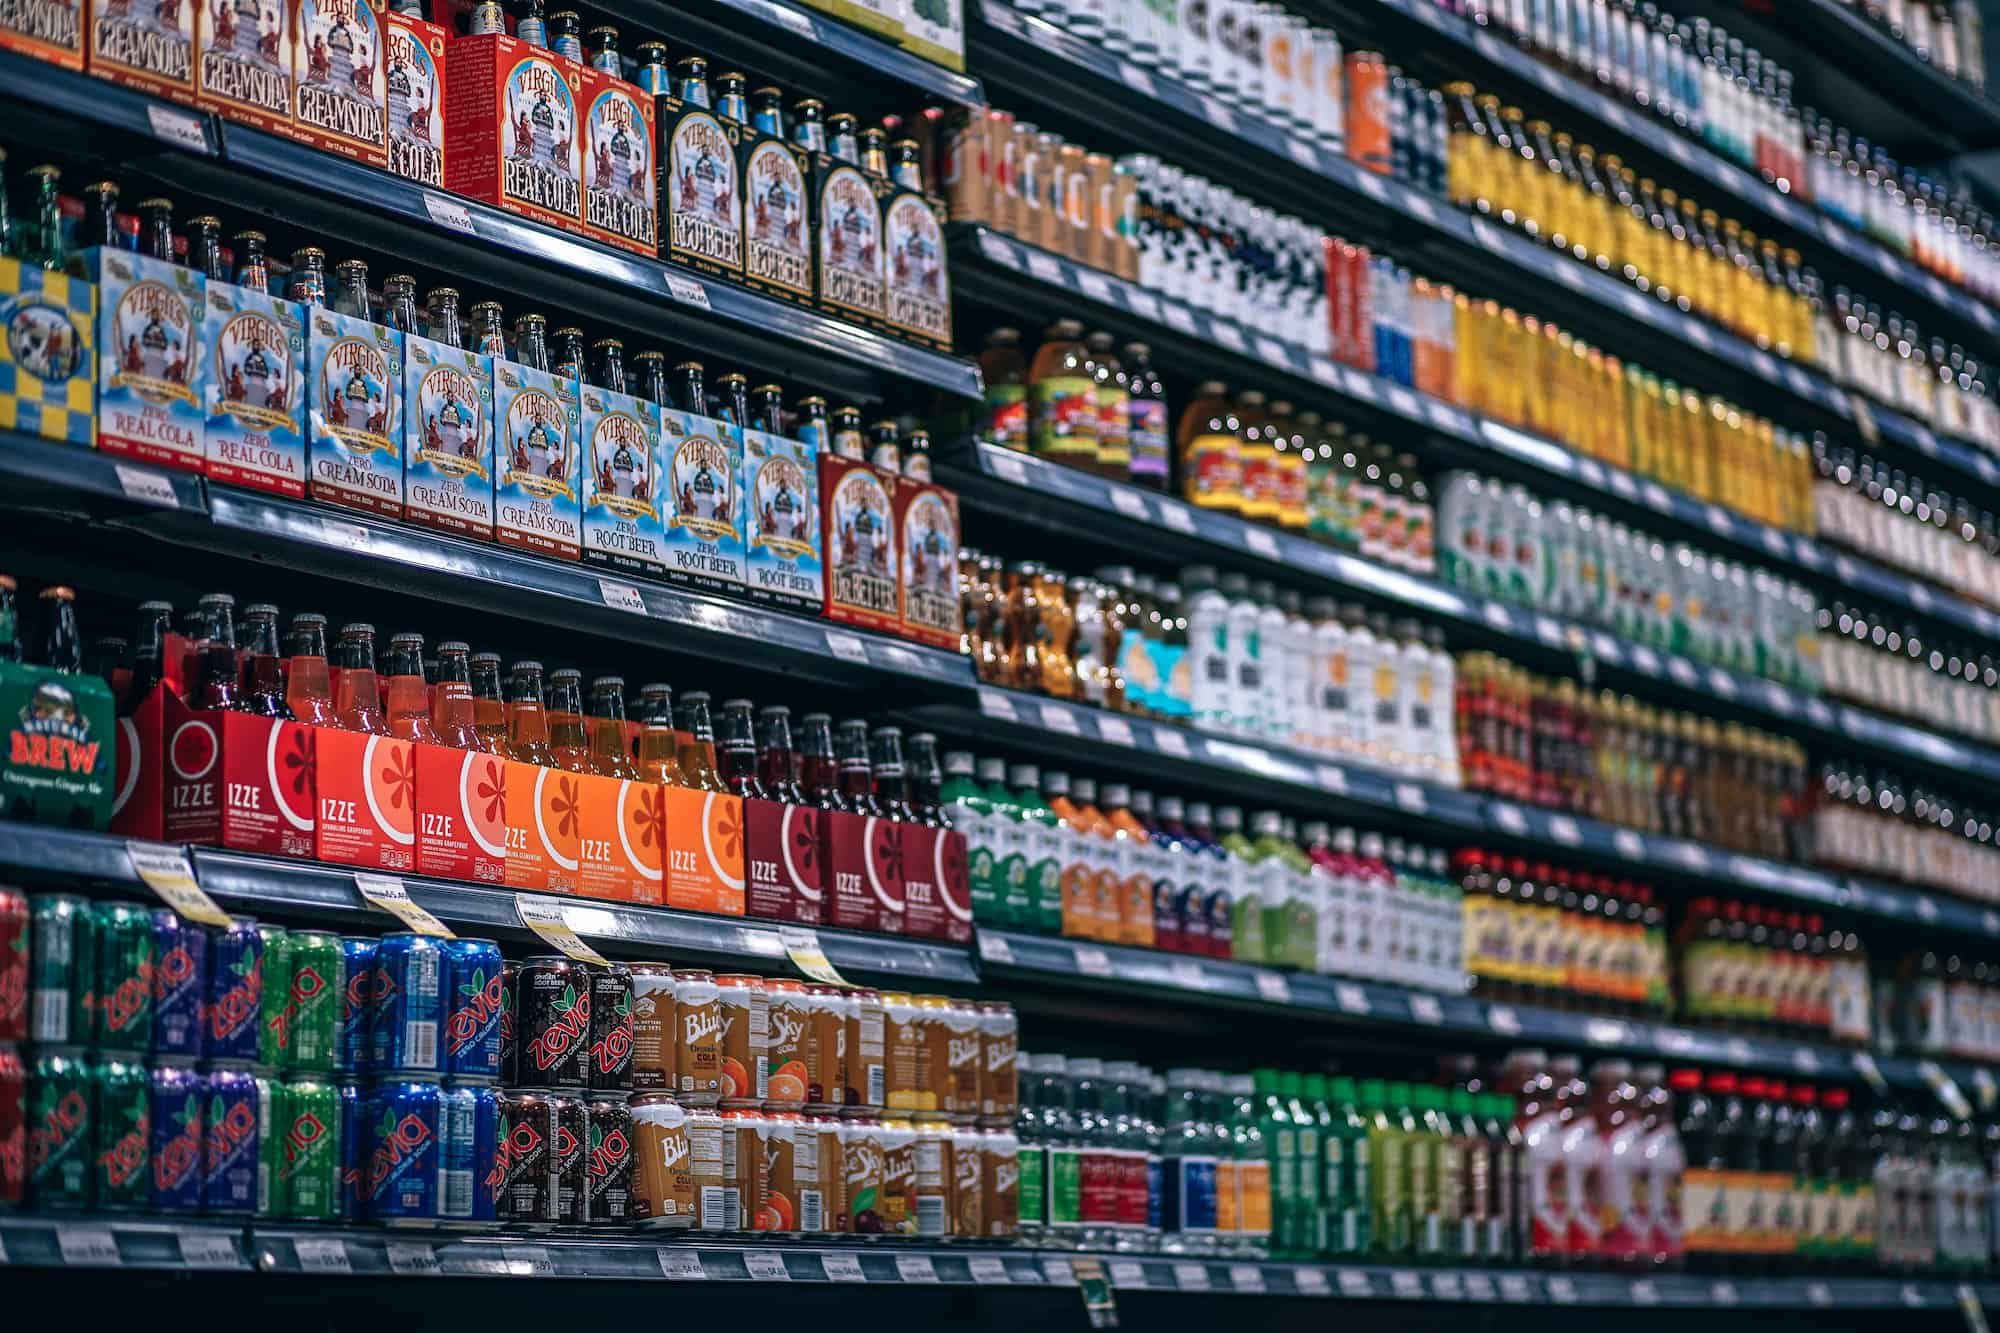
{"x": 328, "y": 194}
{"x": 80, "y": 1243}
{"x": 53, "y": 478}
{"x": 1007, "y": 271}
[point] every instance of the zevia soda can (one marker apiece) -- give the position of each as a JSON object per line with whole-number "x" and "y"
{"x": 180, "y": 960}
{"x": 572, "y": 1177}
{"x": 13, "y": 1124}
{"x": 318, "y": 990}
{"x": 309, "y": 1150}
{"x": 610, "y": 1029}
{"x": 229, "y": 1141}
{"x": 351, "y": 1140}
{"x": 408, "y": 1005}
{"x": 475, "y": 1002}
{"x": 552, "y": 1034}
{"x": 402, "y": 1126}
{"x": 471, "y": 1127}
{"x": 174, "y": 1127}
{"x": 14, "y": 969}
{"x": 233, "y": 996}
{"x": 61, "y": 1138}
{"x": 356, "y": 1004}
{"x": 608, "y": 1160}
{"x": 61, "y": 964}
{"x": 271, "y": 1116}
{"x": 124, "y": 1142}
{"x": 274, "y": 1029}
{"x": 510, "y": 988}
{"x": 523, "y": 1180}
{"x": 122, "y": 1003}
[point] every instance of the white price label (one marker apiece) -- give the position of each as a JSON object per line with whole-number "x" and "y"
{"x": 1405, "y": 402}
{"x": 1114, "y": 731}
{"x": 1191, "y": 1277}
{"x": 1218, "y": 115}
{"x": 1177, "y": 517}
{"x": 1682, "y": 672}
{"x": 182, "y": 129}
{"x": 1645, "y": 1293}
{"x": 1503, "y": 1020}
{"x": 1507, "y": 818}
{"x": 1805, "y": 1060}
{"x": 322, "y": 1254}
{"x": 1322, "y": 370}
{"x": 1818, "y": 1294}
{"x": 1926, "y": 909}
{"x": 1350, "y": 998}
{"x": 1058, "y": 1272}
{"x": 544, "y": 916}
{"x": 1699, "y": 335}
{"x": 1138, "y": 80}
{"x": 1410, "y": 798}
{"x": 995, "y": 704}
{"x": 1273, "y": 987}
{"x": 1371, "y": 185}
{"x": 1334, "y": 780}
{"x": 448, "y": 213}
{"x": 1130, "y": 503}
{"x": 207, "y": 1249}
{"x": 1912, "y": 1296}
{"x": 1058, "y": 718}
{"x": 1171, "y": 742}
{"x": 1563, "y": 829}
{"x": 1407, "y": 1286}
{"x": 842, "y": 1268}
{"x": 1006, "y": 466}
{"x": 1420, "y": 207}
{"x": 1724, "y": 1293}
{"x": 1189, "y": 974}
{"x": 1310, "y": 1281}
{"x": 1623, "y": 486}
{"x": 1092, "y": 962}
{"x": 1274, "y": 352}
{"x": 1127, "y": 1273}
{"x": 1721, "y": 682}
{"x": 1447, "y": 1287}
{"x": 1177, "y": 317}
{"x": 413, "y": 1257}
{"x": 1246, "y": 1277}
{"x": 1143, "y": 304}
{"x": 528, "y": 1261}
{"x": 1606, "y": 1032}
{"x": 1353, "y": 1284}
{"x": 687, "y": 291}
{"x": 988, "y": 1271}
{"x": 1549, "y": 632}
{"x": 766, "y": 1266}
{"x": 1426, "y": 1009}
{"x": 1514, "y": 1287}
{"x": 168, "y": 873}
{"x": 388, "y": 893}
{"x": 1045, "y": 267}
{"x": 1628, "y": 845}
{"x": 1562, "y": 1291}
{"x": 685, "y": 1266}
{"x": 1302, "y": 153}
{"x": 994, "y": 948}
{"x": 802, "y": 946}
{"x": 1261, "y": 543}
{"x": 621, "y": 596}
{"x": 847, "y": 647}
{"x": 1093, "y": 286}
{"x": 1497, "y": 616}
{"x": 1224, "y": 335}
{"x": 146, "y": 486}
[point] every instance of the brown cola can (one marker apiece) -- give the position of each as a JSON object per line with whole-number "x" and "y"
{"x": 788, "y": 1026}
{"x": 896, "y": 1200}
{"x": 793, "y": 1202}
{"x": 652, "y": 1027}
{"x": 705, "y": 1155}
{"x": 663, "y": 1174}
{"x": 999, "y": 1052}
{"x": 746, "y": 1040}
{"x": 611, "y": 1030}
{"x": 906, "y": 1034}
{"x": 698, "y": 1036}
{"x": 572, "y": 1160}
{"x": 746, "y": 1173}
{"x": 931, "y": 1178}
{"x": 524, "y": 1160}
{"x": 958, "y": 1097}
{"x": 831, "y": 1151}
{"x": 968, "y": 1182}
{"x": 1000, "y": 1165}
{"x": 826, "y": 1014}
{"x": 864, "y": 1066}
{"x": 863, "y": 1151}
{"x": 608, "y": 1160}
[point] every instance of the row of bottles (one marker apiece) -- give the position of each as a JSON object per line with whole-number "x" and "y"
{"x": 1897, "y": 518}
{"x": 1885, "y": 663}
{"x": 1751, "y": 969}
{"x": 1081, "y": 402}
{"x": 1562, "y": 938}
{"x": 1943, "y": 1004}
{"x": 1872, "y": 823}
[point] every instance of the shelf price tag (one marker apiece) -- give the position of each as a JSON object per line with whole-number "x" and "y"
{"x": 1353, "y": 1284}
{"x": 621, "y": 596}
{"x": 388, "y": 893}
{"x": 1246, "y": 1277}
{"x": 1094, "y": 286}
{"x": 1479, "y": 1287}
{"x": 416, "y": 1258}
{"x": 1562, "y": 1291}
{"x": 1177, "y": 317}
{"x": 1645, "y": 1293}
{"x": 87, "y": 1246}
{"x": 1218, "y": 115}
{"x": 1407, "y": 1286}
{"x": 322, "y": 1254}
{"x": 1333, "y": 779}
{"x": 802, "y": 946}
{"x": 1273, "y": 987}
{"x": 1178, "y": 518}
{"x": 1127, "y": 1273}
{"x": 1114, "y": 731}
{"x": 182, "y": 129}
{"x": 203, "y": 1248}
{"x": 1093, "y": 962}
{"x": 1507, "y": 818}
{"x": 765, "y": 1266}
{"x": 1350, "y": 998}
{"x": 169, "y": 874}
{"x": 1261, "y": 543}
{"x": 1563, "y": 829}
{"x": 687, "y": 291}
{"x": 1058, "y": 718}
{"x": 685, "y": 1266}
{"x": 1171, "y": 742}
{"x": 1129, "y": 503}
{"x": 1311, "y": 1281}
{"x": 1969, "y": 1306}
{"x": 1045, "y": 267}
{"x": 145, "y": 485}
{"x": 528, "y": 1261}
{"x": 838, "y": 1267}
{"x": 1410, "y": 798}
{"x": 1224, "y": 334}
{"x": 1191, "y": 1276}
{"x": 544, "y": 915}
{"x": 1503, "y": 1020}
{"x": 1137, "y": 79}
{"x": 847, "y": 647}
{"x": 1058, "y": 1272}
{"x": 1426, "y": 1009}
{"x": 1946, "y": 1090}
{"x": 994, "y": 948}
{"x": 988, "y": 1271}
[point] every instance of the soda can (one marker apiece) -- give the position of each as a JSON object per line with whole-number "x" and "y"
{"x": 572, "y": 1182}
{"x": 663, "y": 1194}
{"x": 123, "y": 1141}
{"x": 121, "y": 1009}
{"x": 610, "y": 1029}
{"x": 552, "y": 1040}
{"x": 402, "y": 1138}
{"x": 318, "y": 983}
{"x": 471, "y": 1120}
{"x": 309, "y": 1149}
{"x": 229, "y": 1140}
{"x": 233, "y": 996}
{"x": 408, "y": 1005}
{"x": 653, "y": 1024}
{"x": 274, "y": 1024}
{"x": 523, "y": 1180}
{"x": 14, "y": 968}
{"x": 174, "y": 1126}
{"x": 62, "y": 1139}
{"x": 61, "y": 963}
{"x": 273, "y": 1112}
{"x": 357, "y": 1002}
{"x": 13, "y": 1124}
{"x": 351, "y": 1141}
{"x": 608, "y": 1163}
{"x": 510, "y": 985}
{"x": 180, "y": 962}
{"x": 475, "y": 1002}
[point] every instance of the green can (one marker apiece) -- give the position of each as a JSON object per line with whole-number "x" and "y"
{"x": 124, "y": 1155}
{"x": 61, "y": 1134}
{"x": 309, "y": 1149}
{"x": 272, "y": 1117}
{"x": 274, "y": 1033}
{"x": 62, "y": 959}
{"x": 122, "y": 992}
{"x": 318, "y": 983}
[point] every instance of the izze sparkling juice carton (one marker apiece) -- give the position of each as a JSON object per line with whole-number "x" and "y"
{"x": 782, "y": 860}
{"x": 448, "y": 437}
{"x": 233, "y": 779}
{"x": 255, "y": 389}
{"x": 354, "y": 402}
{"x": 243, "y": 61}
{"x": 610, "y": 863}
{"x": 50, "y": 30}
{"x": 859, "y": 516}
{"x": 535, "y": 441}
{"x": 339, "y": 77}
{"x": 511, "y": 131}
{"x": 781, "y": 518}
{"x": 701, "y": 466}
{"x": 145, "y": 44}
{"x": 461, "y": 814}
{"x": 621, "y": 482}
{"x": 540, "y": 805}
{"x": 149, "y": 331}
{"x": 620, "y": 196}
{"x": 416, "y": 82}
{"x": 48, "y": 361}
{"x": 927, "y": 538}
{"x": 704, "y": 850}
{"x": 367, "y": 799}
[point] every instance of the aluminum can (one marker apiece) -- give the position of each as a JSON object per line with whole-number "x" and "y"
{"x": 233, "y": 995}
{"x": 471, "y": 1131}
{"x": 608, "y": 1161}
{"x": 180, "y": 963}
{"x": 61, "y": 964}
{"x": 571, "y": 1160}
{"x": 124, "y": 1138}
{"x": 356, "y": 1003}
{"x": 407, "y": 1006}
{"x": 552, "y": 1034}
{"x": 274, "y": 1026}
{"x": 229, "y": 1140}
{"x": 318, "y": 989}
{"x": 523, "y": 1183}
{"x": 475, "y": 1002}
{"x": 310, "y": 1150}
{"x": 402, "y": 1133}
{"x": 610, "y": 1029}
{"x": 121, "y": 1007}
{"x": 174, "y": 1131}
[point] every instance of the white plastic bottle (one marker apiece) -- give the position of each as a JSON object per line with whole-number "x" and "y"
{"x": 1246, "y": 676}
{"x": 1299, "y": 674}
{"x": 1444, "y": 709}
{"x": 1209, "y": 676}
{"x": 1275, "y": 694}
{"x": 1416, "y": 690}
{"x": 1326, "y": 681}
{"x": 1364, "y": 653}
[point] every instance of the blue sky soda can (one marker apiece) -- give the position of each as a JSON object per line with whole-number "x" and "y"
{"x": 356, "y": 1004}
{"x": 352, "y": 1151}
{"x": 471, "y": 1127}
{"x": 475, "y": 990}
{"x": 402, "y": 1133}
{"x": 173, "y": 1120}
{"x": 180, "y": 957}
{"x": 229, "y": 1140}
{"x": 408, "y": 1005}
{"x": 233, "y": 999}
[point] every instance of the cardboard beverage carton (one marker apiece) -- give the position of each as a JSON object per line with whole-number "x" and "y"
{"x": 367, "y": 800}
{"x": 535, "y": 504}
{"x": 937, "y": 902}
{"x": 621, "y": 482}
{"x": 916, "y": 285}
{"x": 48, "y": 360}
{"x": 701, "y": 466}
{"x": 701, "y": 190}
{"x": 512, "y": 133}
{"x": 927, "y": 528}
{"x": 782, "y": 522}
{"x": 149, "y": 378}
{"x": 782, "y": 862}
{"x": 448, "y": 437}
{"x": 50, "y": 30}
{"x": 243, "y": 61}
{"x": 415, "y": 80}
{"x": 139, "y": 802}
{"x": 61, "y": 756}
{"x": 354, "y": 412}
{"x": 540, "y": 808}
{"x": 223, "y": 778}
{"x": 862, "y": 857}
{"x": 621, "y": 196}
{"x": 704, "y": 851}
{"x": 858, "y": 517}
{"x": 847, "y": 249}
{"x": 461, "y": 814}
{"x": 340, "y": 78}
{"x": 255, "y": 388}
{"x": 777, "y": 233}
{"x": 144, "y": 44}
{"x": 610, "y": 863}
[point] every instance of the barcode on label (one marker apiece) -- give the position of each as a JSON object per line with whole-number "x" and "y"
{"x": 812, "y": 1209}
{"x": 930, "y": 1215}
{"x": 875, "y": 1086}
{"x": 457, "y": 1191}
{"x": 420, "y": 1044}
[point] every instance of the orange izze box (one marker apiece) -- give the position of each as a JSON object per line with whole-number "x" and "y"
{"x": 231, "y": 779}
{"x": 782, "y": 857}
{"x": 704, "y": 851}
{"x": 461, "y": 814}
{"x": 512, "y": 137}
{"x": 367, "y": 800}
{"x": 541, "y": 828}
{"x": 610, "y": 862}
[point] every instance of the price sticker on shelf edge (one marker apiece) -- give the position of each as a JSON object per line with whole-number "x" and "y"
{"x": 1092, "y": 962}
{"x": 184, "y": 129}
{"x": 1127, "y": 1273}
{"x": 87, "y": 1246}
{"x": 1410, "y": 798}
{"x": 146, "y": 486}
{"x": 802, "y": 946}
{"x": 1191, "y": 1276}
{"x": 988, "y": 1271}
{"x": 1645, "y": 1293}
{"x": 449, "y": 213}
{"x": 1562, "y": 1291}
{"x": 1114, "y": 730}
{"x": 388, "y": 893}
{"x": 1261, "y": 542}
{"x": 322, "y": 1254}
{"x": 1503, "y": 1020}
{"x": 1353, "y": 1283}
{"x": 1273, "y": 987}
{"x": 1311, "y": 1282}
{"x": 1177, "y": 517}
{"x": 1044, "y": 267}
{"x": 1058, "y": 718}
{"x": 1407, "y": 1285}
{"x": 414, "y": 1258}
{"x": 203, "y": 1247}
{"x": 1969, "y": 1305}
{"x": 544, "y": 916}
{"x": 621, "y": 596}
{"x": 1984, "y": 1089}
{"x": 1628, "y": 845}
{"x": 1218, "y": 115}
{"x": 1564, "y": 830}
{"x": 528, "y": 1261}
{"x": 1333, "y": 779}
{"x": 1426, "y": 1009}
{"x": 1301, "y": 152}
{"x": 1350, "y": 998}
{"x": 1274, "y": 352}
{"x": 1224, "y": 334}
{"x": 1177, "y": 316}
{"x": 847, "y": 647}
{"x": 1094, "y": 286}
{"x": 1129, "y": 503}
{"x": 1170, "y": 742}
{"x": 765, "y": 1266}
{"x": 685, "y": 1266}
{"x": 916, "y": 1268}
{"x": 994, "y": 948}
{"x": 687, "y": 291}
{"x": 1143, "y": 304}
{"x": 1137, "y": 79}
{"x": 168, "y": 873}
{"x": 1246, "y": 1277}
{"x": 1944, "y": 1088}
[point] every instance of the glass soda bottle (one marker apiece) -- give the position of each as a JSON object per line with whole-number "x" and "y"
{"x": 357, "y": 698}
{"x": 409, "y": 705}
{"x": 819, "y": 771}
{"x": 568, "y": 740}
{"x": 659, "y": 744}
{"x": 610, "y": 749}
{"x": 737, "y": 747}
{"x": 527, "y": 716}
{"x": 216, "y": 613}
{"x": 263, "y": 680}
{"x": 890, "y": 785}
{"x": 489, "y": 705}
{"x": 857, "y": 788}
{"x": 308, "y": 684}
{"x": 452, "y": 704}
{"x": 697, "y": 743}
{"x": 777, "y": 760}
{"x": 926, "y": 781}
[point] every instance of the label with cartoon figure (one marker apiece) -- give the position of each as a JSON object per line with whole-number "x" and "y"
{"x": 415, "y": 82}
{"x": 703, "y": 195}
{"x": 777, "y": 252}
{"x": 850, "y": 243}
{"x": 145, "y": 44}
{"x": 448, "y": 437}
{"x": 701, "y": 466}
{"x": 781, "y": 514}
{"x": 918, "y": 288}
{"x": 338, "y": 71}
{"x": 860, "y": 539}
{"x": 255, "y": 390}
{"x": 928, "y": 521}
{"x": 243, "y": 60}
{"x": 149, "y": 326}
{"x": 620, "y": 198}
{"x": 621, "y": 482}
{"x": 354, "y": 420}
{"x": 535, "y": 423}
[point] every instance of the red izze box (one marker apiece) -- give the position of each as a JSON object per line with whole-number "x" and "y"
{"x": 863, "y": 870}
{"x": 782, "y": 848}
{"x": 233, "y": 779}
{"x": 461, "y": 814}
{"x": 937, "y": 902}
{"x": 367, "y": 800}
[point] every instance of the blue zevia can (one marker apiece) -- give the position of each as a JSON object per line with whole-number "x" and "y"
{"x": 402, "y": 1124}
{"x": 353, "y": 1152}
{"x": 233, "y": 1000}
{"x": 356, "y": 1004}
{"x": 180, "y": 962}
{"x": 471, "y": 1138}
{"x": 408, "y": 1005}
{"x": 475, "y": 997}
{"x": 174, "y": 1108}
{"x": 229, "y": 1154}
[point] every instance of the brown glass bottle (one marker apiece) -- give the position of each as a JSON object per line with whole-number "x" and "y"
{"x": 527, "y": 716}
{"x": 697, "y": 742}
{"x": 263, "y": 677}
{"x": 777, "y": 759}
{"x": 215, "y": 615}
{"x": 569, "y": 741}
{"x": 890, "y": 779}
{"x": 610, "y": 744}
{"x": 819, "y": 771}
{"x": 736, "y": 750}
{"x": 659, "y": 743}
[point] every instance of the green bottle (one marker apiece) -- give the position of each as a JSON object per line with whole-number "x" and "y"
{"x": 1349, "y": 1173}
{"x": 1246, "y": 903}
{"x": 1468, "y": 1189}
{"x": 43, "y": 247}
{"x": 1429, "y": 1183}
{"x": 1284, "y": 877}
{"x": 1306, "y": 1210}
{"x": 971, "y": 811}
{"x": 1281, "y": 1144}
{"x": 1313, "y": 1161}
{"x": 1042, "y": 848}
{"x": 1013, "y": 907}
{"x": 1388, "y": 1150}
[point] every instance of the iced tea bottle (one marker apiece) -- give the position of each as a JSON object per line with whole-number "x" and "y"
{"x": 736, "y": 743}
{"x": 308, "y": 686}
{"x": 1005, "y": 418}
{"x": 777, "y": 761}
{"x": 527, "y": 716}
{"x": 697, "y": 743}
{"x": 857, "y": 787}
{"x": 610, "y": 749}
{"x": 1062, "y": 398}
{"x": 568, "y": 741}
{"x": 489, "y": 707}
{"x": 1208, "y": 447}
{"x": 659, "y": 744}
{"x": 819, "y": 771}
{"x": 357, "y": 699}
{"x": 891, "y": 785}
{"x": 263, "y": 680}
{"x": 409, "y": 704}
{"x": 1114, "y": 418}
{"x": 453, "y": 704}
